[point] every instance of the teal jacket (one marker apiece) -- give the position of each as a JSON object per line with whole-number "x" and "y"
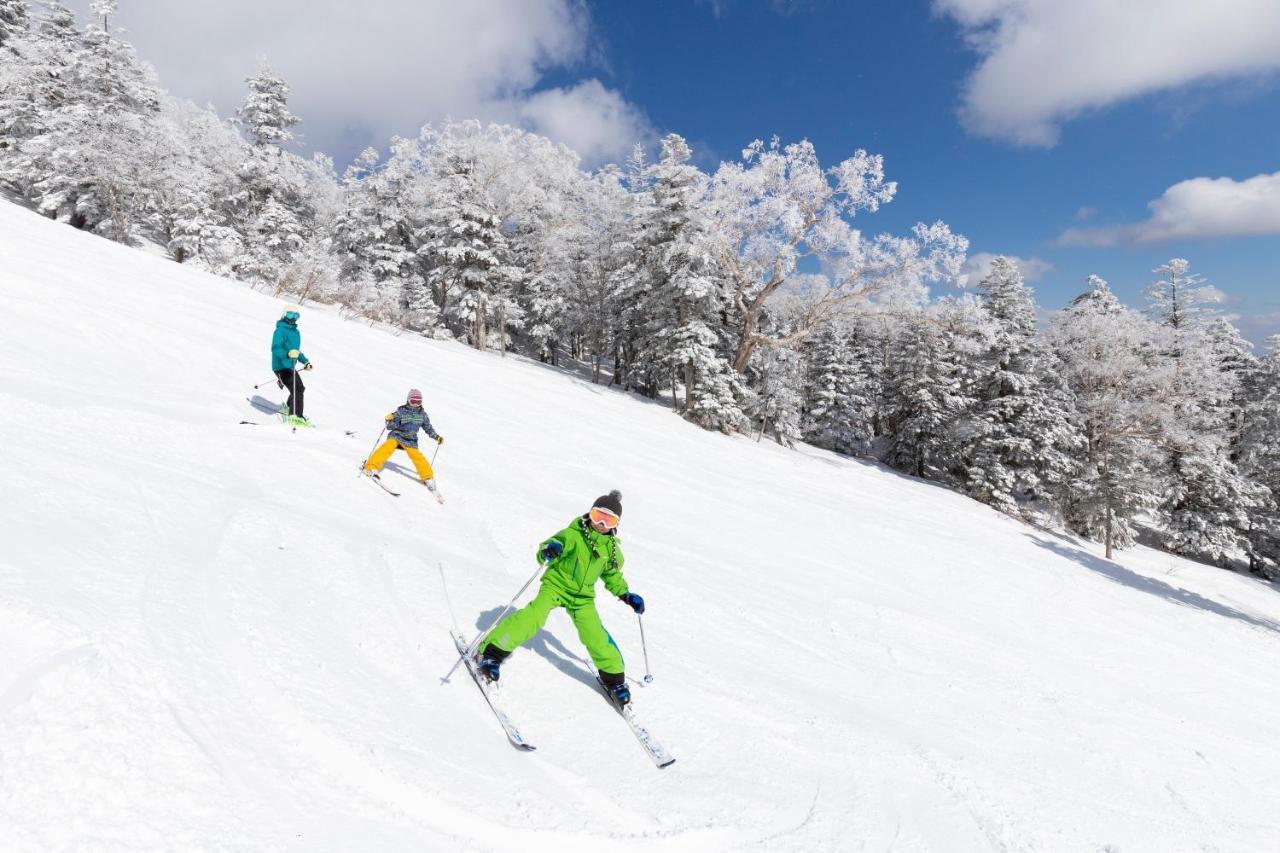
{"x": 403, "y": 425}
{"x": 588, "y": 556}
{"x": 286, "y": 338}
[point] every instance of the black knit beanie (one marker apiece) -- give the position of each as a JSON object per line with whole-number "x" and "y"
{"x": 611, "y": 502}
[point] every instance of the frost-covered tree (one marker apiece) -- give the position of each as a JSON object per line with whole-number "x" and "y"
{"x": 375, "y": 235}
{"x": 674, "y": 296}
{"x": 1258, "y": 457}
{"x": 1210, "y": 503}
{"x": 467, "y": 251}
{"x": 1103, "y": 349}
{"x": 778, "y": 205}
{"x": 14, "y": 18}
{"x": 271, "y": 208}
{"x": 188, "y": 187}
{"x": 843, "y": 391}
{"x": 926, "y": 395}
{"x": 777, "y": 407}
{"x": 508, "y": 192}
{"x": 80, "y": 124}
{"x": 39, "y": 104}
{"x": 835, "y": 415}
{"x": 264, "y": 113}
{"x": 1020, "y": 436}
{"x": 573, "y": 294}
{"x": 1205, "y": 510}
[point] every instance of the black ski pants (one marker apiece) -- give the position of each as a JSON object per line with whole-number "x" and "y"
{"x": 292, "y": 383}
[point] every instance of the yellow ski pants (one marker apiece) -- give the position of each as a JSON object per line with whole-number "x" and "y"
{"x": 380, "y": 456}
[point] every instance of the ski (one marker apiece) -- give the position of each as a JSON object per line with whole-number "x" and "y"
{"x": 657, "y": 752}
{"x": 490, "y": 696}
{"x": 381, "y": 485}
{"x": 435, "y": 493}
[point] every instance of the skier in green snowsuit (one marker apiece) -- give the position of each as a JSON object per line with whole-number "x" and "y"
{"x": 576, "y": 557}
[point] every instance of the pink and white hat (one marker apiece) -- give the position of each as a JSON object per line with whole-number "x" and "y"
{"x": 414, "y": 398}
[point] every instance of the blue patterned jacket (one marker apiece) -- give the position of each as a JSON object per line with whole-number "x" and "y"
{"x": 403, "y": 425}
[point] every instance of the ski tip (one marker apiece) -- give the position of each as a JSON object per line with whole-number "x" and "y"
{"x": 666, "y": 764}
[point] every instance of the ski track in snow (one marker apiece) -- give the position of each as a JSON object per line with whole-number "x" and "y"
{"x": 214, "y": 638}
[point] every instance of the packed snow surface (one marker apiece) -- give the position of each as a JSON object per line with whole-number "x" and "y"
{"x": 215, "y": 636}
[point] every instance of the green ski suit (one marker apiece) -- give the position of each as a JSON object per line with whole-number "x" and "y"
{"x": 570, "y": 582}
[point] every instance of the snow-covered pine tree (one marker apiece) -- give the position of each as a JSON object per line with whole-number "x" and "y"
{"x": 270, "y": 209}
{"x": 375, "y": 237}
{"x": 777, "y": 405}
{"x": 1021, "y": 436}
{"x": 1211, "y": 517}
{"x": 682, "y": 298}
{"x": 1101, "y": 346}
{"x": 1205, "y": 511}
{"x": 40, "y": 109}
{"x": 570, "y": 297}
{"x": 186, "y": 208}
{"x": 14, "y": 18}
{"x": 264, "y": 113}
{"x": 838, "y": 409}
{"x": 467, "y": 252}
{"x": 1258, "y": 456}
{"x": 639, "y": 313}
{"x": 926, "y": 396}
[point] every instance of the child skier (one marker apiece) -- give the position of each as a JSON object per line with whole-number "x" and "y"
{"x": 585, "y": 551}
{"x": 402, "y": 431}
{"x": 285, "y": 356}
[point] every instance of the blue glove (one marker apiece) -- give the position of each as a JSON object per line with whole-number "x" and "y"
{"x": 633, "y": 601}
{"x": 550, "y": 551}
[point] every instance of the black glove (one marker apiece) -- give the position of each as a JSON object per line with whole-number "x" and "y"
{"x": 633, "y": 601}
{"x": 550, "y": 551}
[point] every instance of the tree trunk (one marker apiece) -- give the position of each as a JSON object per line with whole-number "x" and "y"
{"x": 688, "y": 385}
{"x": 478, "y": 330}
{"x": 747, "y": 343}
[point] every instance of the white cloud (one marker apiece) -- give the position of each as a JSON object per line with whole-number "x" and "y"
{"x": 1047, "y": 61}
{"x": 1195, "y": 209}
{"x": 1258, "y": 327}
{"x": 360, "y": 72}
{"x": 977, "y": 265}
{"x": 596, "y": 122}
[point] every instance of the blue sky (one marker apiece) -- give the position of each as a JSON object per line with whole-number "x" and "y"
{"x": 888, "y": 77}
{"x": 1014, "y": 121}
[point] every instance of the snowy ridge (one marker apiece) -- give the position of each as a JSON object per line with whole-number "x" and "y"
{"x": 212, "y": 636}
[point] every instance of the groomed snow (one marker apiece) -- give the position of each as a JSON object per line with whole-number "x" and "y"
{"x": 213, "y": 636}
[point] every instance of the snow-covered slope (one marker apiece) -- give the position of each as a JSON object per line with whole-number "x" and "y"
{"x": 214, "y": 636}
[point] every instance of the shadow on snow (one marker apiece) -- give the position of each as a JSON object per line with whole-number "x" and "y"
{"x": 1118, "y": 573}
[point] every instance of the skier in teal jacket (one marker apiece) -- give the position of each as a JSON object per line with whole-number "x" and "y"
{"x": 286, "y": 354}
{"x": 576, "y": 557}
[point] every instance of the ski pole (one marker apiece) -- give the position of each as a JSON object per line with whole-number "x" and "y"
{"x": 433, "y": 455}
{"x": 648, "y": 679}
{"x": 471, "y": 649}
{"x": 376, "y": 441}
{"x": 445, "y": 585}
{"x": 274, "y": 379}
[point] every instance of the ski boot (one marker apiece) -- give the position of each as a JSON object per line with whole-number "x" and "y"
{"x": 616, "y": 684}
{"x": 435, "y": 492}
{"x": 489, "y": 664}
